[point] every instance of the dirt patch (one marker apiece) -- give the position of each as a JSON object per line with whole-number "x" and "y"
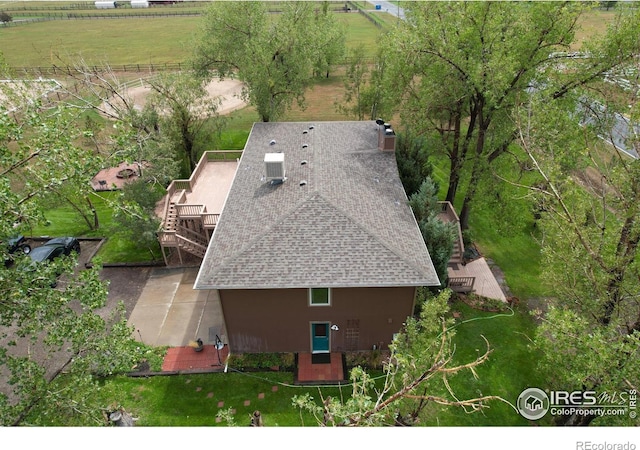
{"x": 227, "y": 91}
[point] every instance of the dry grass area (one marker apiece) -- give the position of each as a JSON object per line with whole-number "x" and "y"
{"x": 592, "y": 24}
{"x": 320, "y": 103}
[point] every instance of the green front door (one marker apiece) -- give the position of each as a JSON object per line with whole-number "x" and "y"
{"x": 320, "y": 337}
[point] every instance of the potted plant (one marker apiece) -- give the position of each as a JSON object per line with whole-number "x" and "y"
{"x": 197, "y": 345}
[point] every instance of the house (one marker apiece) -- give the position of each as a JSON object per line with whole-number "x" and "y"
{"x": 316, "y": 249}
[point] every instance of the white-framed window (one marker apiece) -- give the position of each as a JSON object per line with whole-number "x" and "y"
{"x": 319, "y": 296}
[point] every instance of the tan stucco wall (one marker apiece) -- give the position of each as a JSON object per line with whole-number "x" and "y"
{"x": 279, "y": 320}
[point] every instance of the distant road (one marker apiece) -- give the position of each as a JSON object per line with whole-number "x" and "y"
{"x": 390, "y": 8}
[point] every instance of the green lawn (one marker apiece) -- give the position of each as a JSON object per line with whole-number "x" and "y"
{"x": 157, "y": 40}
{"x": 63, "y": 220}
{"x": 511, "y": 367}
{"x": 194, "y": 400}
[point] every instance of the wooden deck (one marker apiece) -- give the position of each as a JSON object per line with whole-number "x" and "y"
{"x": 485, "y": 283}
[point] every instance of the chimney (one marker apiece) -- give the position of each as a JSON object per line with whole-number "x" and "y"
{"x": 386, "y": 137}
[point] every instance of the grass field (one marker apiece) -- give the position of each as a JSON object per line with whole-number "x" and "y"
{"x": 157, "y": 40}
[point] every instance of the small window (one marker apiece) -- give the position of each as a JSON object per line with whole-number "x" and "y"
{"x": 319, "y": 296}
{"x": 320, "y": 329}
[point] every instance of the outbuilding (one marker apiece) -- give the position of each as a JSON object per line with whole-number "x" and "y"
{"x": 106, "y": 5}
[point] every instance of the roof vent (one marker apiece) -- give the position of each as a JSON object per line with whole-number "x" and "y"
{"x": 305, "y": 145}
{"x": 303, "y": 162}
{"x": 311, "y": 127}
{"x": 274, "y": 166}
{"x": 305, "y": 132}
{"x": 303, "y": 183}
{"x": 273, "y": 142}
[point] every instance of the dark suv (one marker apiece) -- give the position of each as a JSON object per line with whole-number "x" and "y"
{"x": 54, "y": 248}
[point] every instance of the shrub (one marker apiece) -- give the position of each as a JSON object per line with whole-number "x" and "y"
{"x": 262, "y": 361}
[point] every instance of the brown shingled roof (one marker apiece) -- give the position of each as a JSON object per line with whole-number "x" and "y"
{"x": 349, "y": 225}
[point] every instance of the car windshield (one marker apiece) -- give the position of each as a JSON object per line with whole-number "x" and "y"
{"x": 40, "y": 254}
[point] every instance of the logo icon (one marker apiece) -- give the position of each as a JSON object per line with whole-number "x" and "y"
{"x": 533, "y": 403}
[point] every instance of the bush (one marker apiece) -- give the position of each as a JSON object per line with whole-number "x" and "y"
{"x": 368, "y": 359}
{"x": 5, "y": 17}
{"x": 262, "y": 361}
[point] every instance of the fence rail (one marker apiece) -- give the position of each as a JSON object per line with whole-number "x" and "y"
{"x": 65, "y": 70}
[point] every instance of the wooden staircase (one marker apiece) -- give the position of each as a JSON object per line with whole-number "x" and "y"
{"x": 189, "y": 234}
{"x": 457, "y": 284}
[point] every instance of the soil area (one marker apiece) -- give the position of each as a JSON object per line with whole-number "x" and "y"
{"x": 227, "y": 91}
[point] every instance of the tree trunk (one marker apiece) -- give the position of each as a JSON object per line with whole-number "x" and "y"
{"x": 256, "y": 419}
{"x": 454, "y": 180}
{"x": 121, "y": 418}
{"x": 96, "y": 222}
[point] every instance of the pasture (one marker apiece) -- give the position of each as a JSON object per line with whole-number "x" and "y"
{"x": 134, "y": 40}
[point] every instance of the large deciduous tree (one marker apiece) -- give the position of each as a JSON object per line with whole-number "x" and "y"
{"x": 459, "y": 67}
{"x": 275, "y": 55}
{"x": 589, "y": 196}
{"x": 54, "y": 341}
{"x": 187, "y": 115}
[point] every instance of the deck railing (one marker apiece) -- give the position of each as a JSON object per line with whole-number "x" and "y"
{"x": 461, "y": 284}
{"x": 168, "y": 238}
{"x": 187, "y": 211}
{"x": 210, "y": 220}
{"x": 448, "y": 214}
{"x": 208, "y": 156}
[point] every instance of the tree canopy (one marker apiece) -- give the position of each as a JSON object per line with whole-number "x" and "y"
{"x": 460, "y": 68}
{"x": 275, "y": 55}
{"x": 54, "y": 341}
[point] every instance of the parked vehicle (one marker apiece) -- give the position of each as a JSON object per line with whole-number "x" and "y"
{"x": 17, "y": 245}
{"x": 51, "y": 250}
{"x": 54, "y": 248}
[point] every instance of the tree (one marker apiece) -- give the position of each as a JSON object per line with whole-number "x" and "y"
{"x": 416, "y": 375}
{"x": 55, "y": 344}
{"x": 438, "y": 235}
{"x": 413, "y": 161}
{"x": 590, "y": 198}
{"x": 50, "y": 162}
{"x": 274, "y": 56}
{"x": 187, "y": 116}
{"x": 355, "y": 82}
{"x": 330, "y": 43}
{"x": 365, "y": 94}
{"x": 460, "y": 67}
